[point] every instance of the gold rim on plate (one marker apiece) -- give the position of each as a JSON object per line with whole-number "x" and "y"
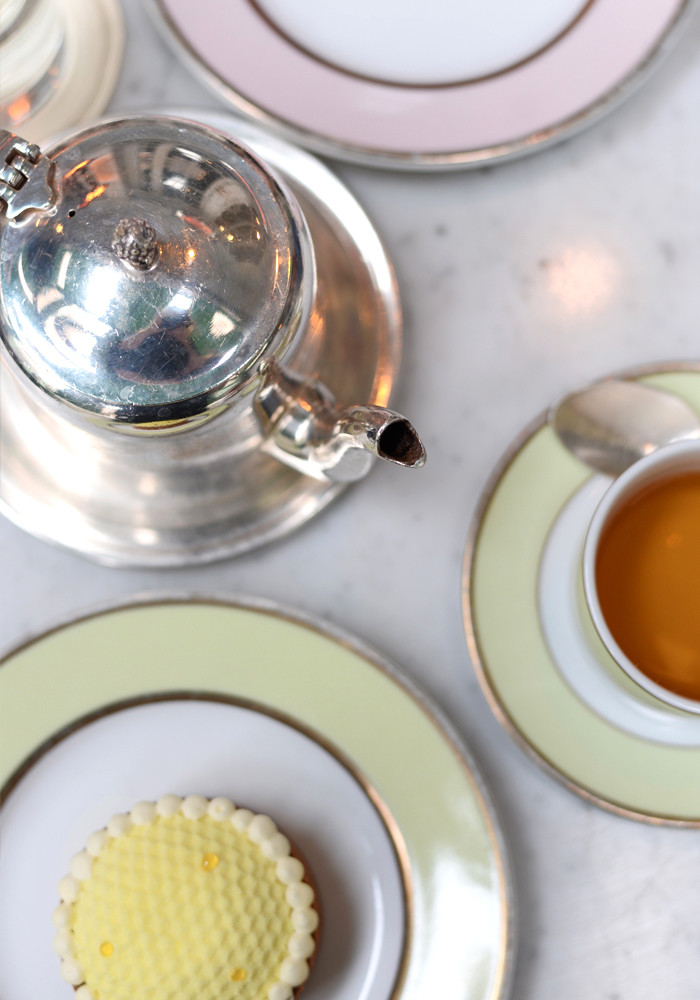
{"x": 417, "y": 774}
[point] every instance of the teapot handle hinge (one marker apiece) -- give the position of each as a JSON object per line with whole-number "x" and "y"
{"x": 25, "y": 181}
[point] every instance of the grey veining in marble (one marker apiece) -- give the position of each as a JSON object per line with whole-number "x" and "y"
{"x": 519, "y": 282}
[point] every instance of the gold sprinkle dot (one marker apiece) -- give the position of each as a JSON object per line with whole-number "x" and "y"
{"x": 209, "y": 862}
{"x": 238, "y": 975}
{"x": 107, "y": 949}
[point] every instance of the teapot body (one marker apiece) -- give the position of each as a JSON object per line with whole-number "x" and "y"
{"x": 139, "y": 343}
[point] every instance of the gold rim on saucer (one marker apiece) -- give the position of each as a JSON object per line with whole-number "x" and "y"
{"x": 624, "y": 773}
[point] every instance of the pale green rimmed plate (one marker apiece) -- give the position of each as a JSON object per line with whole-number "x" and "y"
{"x": 639, "y": 777}
{"x": 458, "y": 906}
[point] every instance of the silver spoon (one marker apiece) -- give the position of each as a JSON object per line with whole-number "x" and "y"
{"x": 613, "y": 423}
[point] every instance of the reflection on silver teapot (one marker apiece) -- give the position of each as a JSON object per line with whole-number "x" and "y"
{"x": 156, "y": 275}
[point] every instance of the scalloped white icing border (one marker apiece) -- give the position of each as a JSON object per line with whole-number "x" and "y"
{"x": 261, "y": 830}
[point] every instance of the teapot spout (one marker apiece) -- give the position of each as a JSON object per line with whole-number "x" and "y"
{"x": 363, "y": 432}
{"x": 304, "y": 428}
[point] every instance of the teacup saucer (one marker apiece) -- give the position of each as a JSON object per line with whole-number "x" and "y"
{"x": 547, "y": 678}
{"x": 426, "y": 84}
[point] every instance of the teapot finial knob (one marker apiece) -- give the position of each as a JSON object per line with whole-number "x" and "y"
{"x": 134, "y": 241}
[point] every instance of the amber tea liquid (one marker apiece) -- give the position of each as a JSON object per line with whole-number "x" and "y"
{"x": 648, "y": 581}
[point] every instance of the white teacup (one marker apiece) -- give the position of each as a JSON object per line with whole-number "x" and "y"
{"x": 641, "y": 573}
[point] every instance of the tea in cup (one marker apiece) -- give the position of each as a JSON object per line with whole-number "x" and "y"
{"x": 641, "y": 573}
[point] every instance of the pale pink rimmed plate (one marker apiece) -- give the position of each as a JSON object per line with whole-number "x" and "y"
{"x": 418, "y": 85}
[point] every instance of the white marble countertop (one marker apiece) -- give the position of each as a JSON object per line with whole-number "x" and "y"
{"x": 497, "y": 324}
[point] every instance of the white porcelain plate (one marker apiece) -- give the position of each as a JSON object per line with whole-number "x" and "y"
{"x": 421, "y": 83}
{"x": 545, "y": 673}
{"x": 132, "y": 755}
{"x": 242, "y": 701}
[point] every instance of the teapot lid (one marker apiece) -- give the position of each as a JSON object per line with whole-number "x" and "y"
{"x": 168, "y": 264}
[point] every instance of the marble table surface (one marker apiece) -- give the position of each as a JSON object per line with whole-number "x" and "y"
{"x": 500, "y": 319}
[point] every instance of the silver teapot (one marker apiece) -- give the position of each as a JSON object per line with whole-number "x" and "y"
{"x": 198, "y": 348}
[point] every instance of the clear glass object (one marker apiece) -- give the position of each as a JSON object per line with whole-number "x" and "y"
{"x": 32, "y": 48}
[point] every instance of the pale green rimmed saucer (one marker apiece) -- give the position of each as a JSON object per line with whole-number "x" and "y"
{"x": 637, "y": 777}
{"x": 458, "y": 896}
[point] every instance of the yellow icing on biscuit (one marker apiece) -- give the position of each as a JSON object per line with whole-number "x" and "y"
{"x": 178, "y": 928}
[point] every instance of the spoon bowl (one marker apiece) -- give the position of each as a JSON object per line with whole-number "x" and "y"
{"x": 612, "y": 424}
